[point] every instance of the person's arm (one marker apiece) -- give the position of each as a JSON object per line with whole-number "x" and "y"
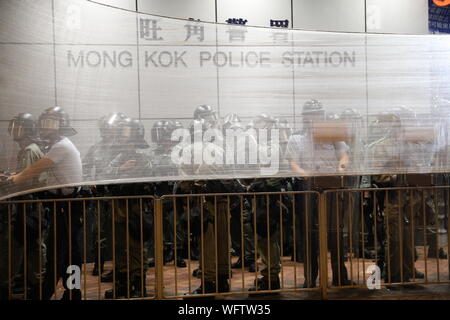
{"x": 32, "y": 170}
{"x": 343, "y": 161}
{"x": 296, "y": 168}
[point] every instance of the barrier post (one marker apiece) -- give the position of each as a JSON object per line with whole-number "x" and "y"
{"x": 323, "y": 247}
{"x": 159, "y": 248}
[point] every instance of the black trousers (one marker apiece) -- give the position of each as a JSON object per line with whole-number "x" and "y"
{"x": 64, "y": 246}
{"x": 308, "y": 214}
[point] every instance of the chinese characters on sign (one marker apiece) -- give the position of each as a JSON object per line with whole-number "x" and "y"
{"x": 149, "y": 29}
{"x": 279, "y": 23}
{"x": 236, "y": 21}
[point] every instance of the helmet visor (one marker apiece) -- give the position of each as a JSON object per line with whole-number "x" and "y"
{"x": 15, "y": 130}
{"x": 126, "y": 132}
{"x": 51, "y": 124}
{"x": 210, "y": 117}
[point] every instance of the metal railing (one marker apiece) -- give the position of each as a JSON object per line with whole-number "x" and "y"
{"x": 167, "y": 247}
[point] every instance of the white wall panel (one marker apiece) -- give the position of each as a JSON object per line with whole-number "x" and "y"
{"x": 83, "y": 22}
{"x": 26, "y": 79}
{"x": 19, "y": 21}
{"x": 329, "y": 15}
{"x": 184, "y": 9}
{"x": 399, "y": 16}
{"x": 95, "y": 80}
{"x": 332, "y": 70}
{"x": 400, "y": 74}
{"x": 170, "y": 81}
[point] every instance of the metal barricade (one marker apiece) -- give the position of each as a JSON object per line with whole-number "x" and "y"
{"x": 208, "y": 220}
{"x": 224, "y": 244}
{"x": 43, "y": 241}
{"x": 393, "y": 235}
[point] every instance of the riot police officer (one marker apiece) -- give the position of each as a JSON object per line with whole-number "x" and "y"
{"x": 208, "y": 115}
{"x": 63, "y": 163}
{"x": 232, "y": 123}
{"x": 131, "y": 215}
{"x": 390, "y": 153}
{"x": 440, "y": 113}
{"x": 352, "y": 201}
{"x": 308, "y": 157}
{"x": 95, "y": 163}
{"x": 163, "y": 166}
{"x": 267, "y": 213}
{"x": 23, "y": 130}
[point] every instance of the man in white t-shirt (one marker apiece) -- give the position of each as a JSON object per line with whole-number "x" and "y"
{"x": 308, "y": 157}
{"x": 63, "y": 163}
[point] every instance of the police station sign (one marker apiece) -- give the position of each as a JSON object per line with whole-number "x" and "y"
{"x": 231, "y": 50}
{"x": 220, "y": 59}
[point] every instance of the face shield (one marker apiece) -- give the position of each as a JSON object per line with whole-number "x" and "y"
{"x": 260, "y": 124}
{"x": 49, "y": 124}
{"x": 126, "y": 133}
{"x": 211, "y": 120}
{"x": 160, "y": 135}
{"x": 15, "y": 129}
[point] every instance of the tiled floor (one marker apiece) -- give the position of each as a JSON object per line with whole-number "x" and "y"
{"x": 179, "y": 281}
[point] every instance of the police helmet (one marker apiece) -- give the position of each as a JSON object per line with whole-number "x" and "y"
{"x": 388, "y": 116}
{"x": 108, "y": 124}
{"x": 350, "y": 114}
{"x": 313, "y": 108}
{"x": 177, "y": 125}
{"x": 232, "y": 121}
{"x": 55, "y": 118}
{"x": 132, "y": 131}
{"x": 403, "y": 112}
{"x": 332, "y": 116}
{"x": 206, "y": 113}
{"x": 263, "y": 121}
{"x": 161, "y": 131}
{"x": 21, "y": 126}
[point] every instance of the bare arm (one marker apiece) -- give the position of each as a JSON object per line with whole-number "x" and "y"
{"x": 296, "y": 168}
{"x": 343, "y": 161}
{"x": 33, "y": 170}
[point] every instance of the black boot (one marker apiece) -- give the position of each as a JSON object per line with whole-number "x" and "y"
{"x": 76, "y": 294}
{"x": 120, "y": 287}
{"x": 138, "y": 287}
{"x": 95, "y": 271}
{"x": 197, "y": 273}
{"x": 168, "y": 255}
{"x": 262, "y": 284}
{"x": 151, "y": 262}
{"x": 210, "y": 287}
{"x": 250, "y": 264}
{"x": 237, "y": 264}
{"x": 107, "y": 277}
{"x": 440, "y": 254}
{"x": 418, "y": 274}
{"x": 180, "y": 262}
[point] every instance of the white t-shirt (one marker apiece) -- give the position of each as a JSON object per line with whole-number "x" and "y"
{"x": 315, "y": 157}
{"x": 67, "y": 168}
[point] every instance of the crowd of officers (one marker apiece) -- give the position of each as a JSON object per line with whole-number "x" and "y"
{"x": 263, "y": 228}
